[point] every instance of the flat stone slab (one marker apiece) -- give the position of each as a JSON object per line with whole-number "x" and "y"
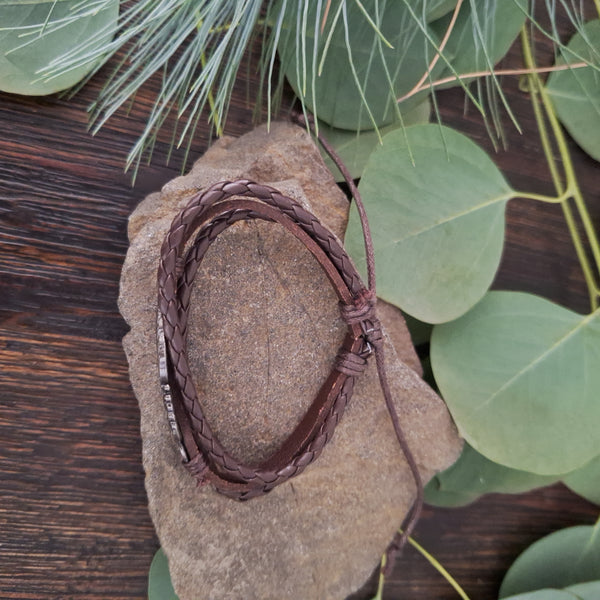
{"x": 264, "y": 329}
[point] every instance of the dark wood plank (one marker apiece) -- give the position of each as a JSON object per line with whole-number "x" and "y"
{"x": 73, "y": 516}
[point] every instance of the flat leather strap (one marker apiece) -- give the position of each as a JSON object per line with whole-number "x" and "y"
{"x": 207, "y": 215}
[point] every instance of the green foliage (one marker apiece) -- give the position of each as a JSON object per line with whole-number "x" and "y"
{"x": 473, "y": 475}
{"x": 436, "y": 205}
{"x": 586, "y": 481}
{"x": 198, "y": 47}
{"x": 348, "y": 60}
{"x": 33, "y": 34}
{"x": 350, "y": 74}
{"x": 519, "y": 376}
{"x": 563, "y": 558}
{"x": 576, "y": 92}
{"x": 355, "y": 147}
{"x": 159, "y": 579}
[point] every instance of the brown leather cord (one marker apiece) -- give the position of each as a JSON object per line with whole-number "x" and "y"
{"x": 207, "y": 215}
{"x": 413, "y": 515}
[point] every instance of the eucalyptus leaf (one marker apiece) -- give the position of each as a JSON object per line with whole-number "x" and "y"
{"x": 159, "y": 579}
{"x": 586, "y": 481}
{"x": 360, "y": 69}
{"x": 585, "y": 591}
{"x": 575, "y": 93}
{"x": 545, "y": 594}
{"x": 521, "y": 377}
{"x": 563, "y": 558}
{"x": 438, "y": 8}
{"x": 473, "y": 475}
{"x": 355, "y": 148}
{"x": 33, "y": 34}
{"x": 483, "y": 32}
{"x": 437, "y": 222}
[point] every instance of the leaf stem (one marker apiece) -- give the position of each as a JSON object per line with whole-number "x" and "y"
{"x": 211, "y": 102}
{"x": 439, "y": 568}
{"x": 381, "y": 581}
{"x": 543, "y": 197}
{"x": 570, "y": 188}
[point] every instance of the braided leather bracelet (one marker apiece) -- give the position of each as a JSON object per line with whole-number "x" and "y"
{"x": 207, "y": 215}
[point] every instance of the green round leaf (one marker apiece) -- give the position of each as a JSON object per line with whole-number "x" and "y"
{"x": 575, "y": 93}
{"x": 563, "y": 558}
{"x": 355, "y": 147}
{"x": 521, "y": 377}
{"x": 360, "y": 70}
{"x": 473, "y": 475}
{"x": 546, "y": 594}
{"x": 33, "y": 34}
{"x": 586, "y": 481}
{"x": 482, "y": 37}
{"x": 159, "y": 579}
{"x": 437, "y": 223}
{"x": 585, "y": 591}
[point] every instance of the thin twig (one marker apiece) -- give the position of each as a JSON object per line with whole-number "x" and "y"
{"x": 474, "y": 74}
{"x": 435, "y": 59}
{"x": 325, "y": 14}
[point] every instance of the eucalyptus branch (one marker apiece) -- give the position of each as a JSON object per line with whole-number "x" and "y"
{"x": 570, "y": 189}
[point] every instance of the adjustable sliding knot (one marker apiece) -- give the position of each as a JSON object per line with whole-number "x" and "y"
{"x": 362, "y": 309}
{"x": 362, "y": 312}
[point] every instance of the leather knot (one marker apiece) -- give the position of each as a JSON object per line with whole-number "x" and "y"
{"x": 362, "y": 313}
{"x": 363, "y": 308}
{"x": 372, "y": 332}
{"x": 349, "y": 363}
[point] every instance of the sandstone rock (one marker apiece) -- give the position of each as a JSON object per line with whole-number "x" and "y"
{"x": 264, "y": 330}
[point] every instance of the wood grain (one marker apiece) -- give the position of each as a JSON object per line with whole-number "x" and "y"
{"x": 73, "y": 518}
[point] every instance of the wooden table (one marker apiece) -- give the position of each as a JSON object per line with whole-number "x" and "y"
{"x": 73, "y": 518}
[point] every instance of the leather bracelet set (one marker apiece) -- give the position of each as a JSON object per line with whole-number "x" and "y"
{"x": 207, "y": 215}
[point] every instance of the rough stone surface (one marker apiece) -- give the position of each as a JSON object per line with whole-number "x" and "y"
{"x": 264, "y": 330}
